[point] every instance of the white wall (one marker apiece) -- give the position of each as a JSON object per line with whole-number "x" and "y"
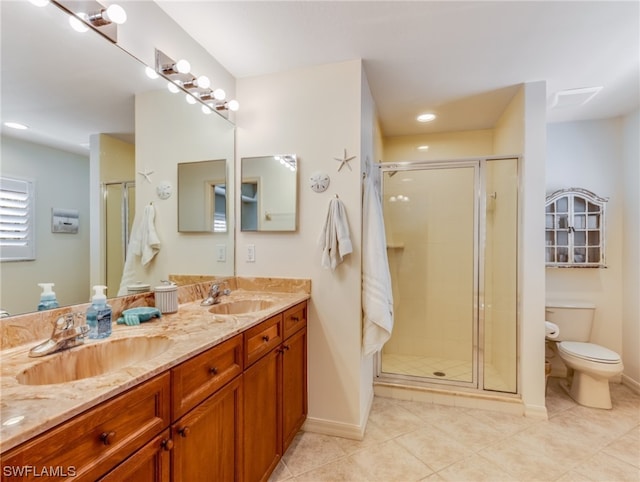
{"x": 61, "y": 181}
{"x": 602, "y": 156}
{"x": 631, "y": 250}
{"x": 314, "y": 113}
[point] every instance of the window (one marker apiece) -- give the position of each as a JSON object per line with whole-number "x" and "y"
{"x": 17, "y": 220}
{"x": 574, "y": 222}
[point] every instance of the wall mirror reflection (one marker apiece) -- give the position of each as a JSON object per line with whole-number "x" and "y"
{"x": 77, "y": 93}
{"x": 269, "y": 193}
{"x": 202, "y": 197}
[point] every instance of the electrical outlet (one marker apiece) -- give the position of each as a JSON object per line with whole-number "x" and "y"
{"x": 251, "y": 253}
{"x": 221, "y": 253}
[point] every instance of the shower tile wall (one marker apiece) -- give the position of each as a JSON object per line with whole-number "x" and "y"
{"x": 428, "y": 229}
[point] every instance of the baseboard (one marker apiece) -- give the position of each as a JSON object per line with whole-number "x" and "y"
{"x": 336, "y": 429}
{"x": 536, "y": 411}
{"x": 634, "y": 385}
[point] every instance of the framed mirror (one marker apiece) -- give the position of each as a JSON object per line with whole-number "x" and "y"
{"x": 202, "y": 197}
{"x": 269, "y": 193}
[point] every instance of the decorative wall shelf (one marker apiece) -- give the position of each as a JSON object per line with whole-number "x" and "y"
{"x": 574, "y": 229}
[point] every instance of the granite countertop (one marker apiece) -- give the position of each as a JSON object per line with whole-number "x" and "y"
{"x": 29, "y": 410}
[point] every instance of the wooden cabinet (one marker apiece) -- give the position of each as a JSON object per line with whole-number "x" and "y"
{"x": 574, "y": 229}
{"x": 206, "y": 441}
{"x": 275, "y": 400}
{"x": 92, "y": 443}
{"x": 227, "y": 414}
{"x": 149, "y": 464}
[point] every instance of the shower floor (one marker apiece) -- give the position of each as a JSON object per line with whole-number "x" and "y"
{"x": 426, "y": 367}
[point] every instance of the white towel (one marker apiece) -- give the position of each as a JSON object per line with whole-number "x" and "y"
{"x": 143, "y": 243}
{"x": 377, "y": 297}
{"x": 335, "y": 239}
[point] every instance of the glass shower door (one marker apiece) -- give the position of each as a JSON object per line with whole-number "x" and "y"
{"x": 431, "y": 218}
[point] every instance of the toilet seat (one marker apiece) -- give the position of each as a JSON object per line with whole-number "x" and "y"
{"x": 589, "y": 352}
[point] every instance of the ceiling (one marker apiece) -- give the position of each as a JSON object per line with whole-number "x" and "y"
{"x": 461, "y": 60}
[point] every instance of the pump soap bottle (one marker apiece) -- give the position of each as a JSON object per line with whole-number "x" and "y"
{"x": 48, "y": 297}
{"x": 99, "y": 314}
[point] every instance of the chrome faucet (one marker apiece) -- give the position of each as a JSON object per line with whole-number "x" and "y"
{"x": 65, "y": 335}
{"x": 213, "y": 298}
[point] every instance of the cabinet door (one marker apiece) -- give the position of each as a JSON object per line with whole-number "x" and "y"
{"x": 149, "y": 464}
{"x": 294, "y": 385}
{"x": 262, "y": 426}
{"x": 206, "y": 441}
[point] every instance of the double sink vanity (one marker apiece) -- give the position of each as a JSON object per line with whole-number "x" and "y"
{"x": 208, "y": 393}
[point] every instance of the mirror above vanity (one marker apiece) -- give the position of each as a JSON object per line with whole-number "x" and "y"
{"x": 269, "y": 193}
{"x": 89, "y": 137}
{"x": 202, "y": 197}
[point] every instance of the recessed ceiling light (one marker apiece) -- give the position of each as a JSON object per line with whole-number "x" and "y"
{"x": 425, "y": 117}
{"x": 16, "y": 125}
{"x": 423, "y": 148}
{"x": 574, "y": 97}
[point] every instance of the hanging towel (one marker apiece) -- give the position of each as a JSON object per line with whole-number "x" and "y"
{"x": 143, "y": 243}
{"x": 377, "y": 297}
{"x": 334, "y": 238}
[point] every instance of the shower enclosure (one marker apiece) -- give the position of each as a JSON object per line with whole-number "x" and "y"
{"x": 119, "y": 210}
{"x": 452, "y": 237}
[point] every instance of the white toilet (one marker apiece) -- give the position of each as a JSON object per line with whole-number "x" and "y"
{"x": 591, "y": 365}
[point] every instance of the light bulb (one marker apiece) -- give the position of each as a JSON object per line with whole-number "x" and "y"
{"x": 233, "y": 105}
{"x": 203, "y": 82}
{"x": 116, "y": 14}
{"x": 173, "y": 88}
{"x": 206, "y": 109}
{"x": 183, "y": 66}
{"x": 76, "y": 22}
{"x": 190, "y": 99}
{"x": 219, "y": 94}
{"x": 39, "y": 3}
{"x": 152, "y": 74}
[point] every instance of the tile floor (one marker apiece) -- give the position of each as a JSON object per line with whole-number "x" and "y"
{"x": 417, "y": 441}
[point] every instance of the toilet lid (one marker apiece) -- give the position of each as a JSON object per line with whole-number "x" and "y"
{"x": 589, "y": 351}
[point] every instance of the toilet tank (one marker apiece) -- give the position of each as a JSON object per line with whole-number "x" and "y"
{"x": 574, "y": 319}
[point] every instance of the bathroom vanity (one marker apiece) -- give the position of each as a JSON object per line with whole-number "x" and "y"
{"x": 222, "y": 398}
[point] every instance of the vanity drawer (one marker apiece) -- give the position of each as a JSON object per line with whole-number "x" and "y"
{"x": 94, "y": 442}
{"x": 197, "y": 378}
{"x": 261, "y": 339}
{"x": 295, "y": 318}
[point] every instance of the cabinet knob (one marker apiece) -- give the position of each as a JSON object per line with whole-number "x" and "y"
{"x": 285, "y": 347}
{"x": 213, "y": 371}
{"x": 265, "y": 338}
{"x": 167, "y": 444}
{"x": 184, "y": 431}
{"x": 295, "y": 318}
{"x": 107, "y": 437}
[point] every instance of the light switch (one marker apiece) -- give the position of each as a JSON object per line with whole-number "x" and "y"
{"x": 251, "y": 253}
{"x": 221, "y": 253}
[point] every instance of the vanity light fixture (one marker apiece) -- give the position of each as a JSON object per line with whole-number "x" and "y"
{"x": 287, "y": 161}
{"x": 198, "y": 88}
{"x": 428, "y": 117}
{"x": 90, "y": 13}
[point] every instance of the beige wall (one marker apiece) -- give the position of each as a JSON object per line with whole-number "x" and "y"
{"x": 314, "y": 113}
{"x": 631, "y": 251}
{"x": 169, "y": 131}
{"x": 442, "y": 145}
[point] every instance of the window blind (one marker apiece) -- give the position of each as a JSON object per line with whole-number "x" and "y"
{"x": 17, "y": 220}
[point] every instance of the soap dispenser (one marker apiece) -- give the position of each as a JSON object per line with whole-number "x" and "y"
{"x": 48, "y": 297}
{"x": 99, "y": 314}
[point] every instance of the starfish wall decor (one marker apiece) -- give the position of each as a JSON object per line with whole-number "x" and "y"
{"x": 344, "y": 161}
